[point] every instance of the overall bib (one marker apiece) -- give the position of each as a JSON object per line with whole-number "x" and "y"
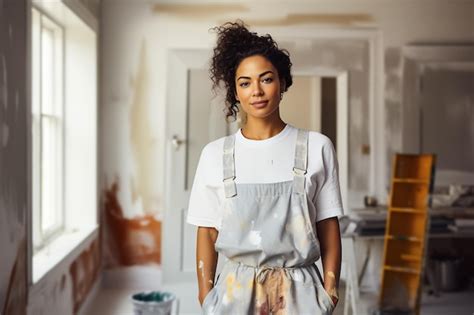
{"x": 269, "y": 244}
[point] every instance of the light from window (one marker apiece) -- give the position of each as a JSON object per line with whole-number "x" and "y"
{"x": 47, "y": 128}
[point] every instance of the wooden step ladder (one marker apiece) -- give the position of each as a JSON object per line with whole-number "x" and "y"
{"x": 406, "y": 232}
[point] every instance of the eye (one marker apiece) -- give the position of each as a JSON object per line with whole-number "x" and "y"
{"x": 244, "y": 84}
{"x": 268, "y": 80}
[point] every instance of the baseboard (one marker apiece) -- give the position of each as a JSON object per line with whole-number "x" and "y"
{"x": 83, "y": 310}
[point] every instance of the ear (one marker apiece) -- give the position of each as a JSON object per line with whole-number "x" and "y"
{"x": 237, "y": 97}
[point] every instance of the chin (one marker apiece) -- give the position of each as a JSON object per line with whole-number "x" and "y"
{"x": 262, "y": 112}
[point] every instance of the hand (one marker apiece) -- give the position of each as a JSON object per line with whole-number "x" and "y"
{"x": 332, "y": 292}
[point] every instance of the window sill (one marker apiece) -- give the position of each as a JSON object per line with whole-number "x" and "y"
{"x": 64, "y": 248}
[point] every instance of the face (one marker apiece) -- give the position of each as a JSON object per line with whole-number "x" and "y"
{"x": 257, "y": 86}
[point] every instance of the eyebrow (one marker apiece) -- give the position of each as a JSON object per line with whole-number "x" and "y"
{"x": 261, "y": 75}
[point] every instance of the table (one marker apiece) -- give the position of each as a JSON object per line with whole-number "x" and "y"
{"x": 354, "y": 281}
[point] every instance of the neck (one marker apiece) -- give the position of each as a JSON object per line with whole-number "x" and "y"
{"x": 261, "y": 129}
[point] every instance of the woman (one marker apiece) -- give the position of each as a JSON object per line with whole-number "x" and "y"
{"x": 267, "y": 197}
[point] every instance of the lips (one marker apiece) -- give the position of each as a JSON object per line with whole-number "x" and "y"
{"x": 260, "y": 104}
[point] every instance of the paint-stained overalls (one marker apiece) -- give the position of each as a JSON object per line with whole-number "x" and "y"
{"x": 270, "y": 245}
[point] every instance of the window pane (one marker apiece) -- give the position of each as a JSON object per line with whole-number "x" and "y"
{"x": 47, "y": 71}
{"x": 47, "y": 76}
{"x": 50, "y": 173}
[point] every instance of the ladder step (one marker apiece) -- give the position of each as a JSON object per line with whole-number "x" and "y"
{"x": 401, "y": 269}
{"x": 408, "y": 210}
{"x": 410, "y": 180}
{"x": 404, "y": 238}
{"x": 408, "y": 257}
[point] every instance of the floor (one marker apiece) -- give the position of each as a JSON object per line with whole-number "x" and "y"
{"x": 113, "y": 301}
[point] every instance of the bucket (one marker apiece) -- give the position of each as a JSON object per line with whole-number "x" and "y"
{"x": 446, "y": 272}
{"x": 153, "y": 303}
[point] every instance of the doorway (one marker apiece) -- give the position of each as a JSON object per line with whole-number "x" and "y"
{"x": 308, "y": 100}
{"x": 319, "y": 102}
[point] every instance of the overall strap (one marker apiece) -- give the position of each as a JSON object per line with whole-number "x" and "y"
{"x": 301, "y": 161}
{"x": 229, "y": 167}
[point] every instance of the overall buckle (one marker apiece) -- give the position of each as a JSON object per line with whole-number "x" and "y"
{"x": 228, "y": 179}
{"x": 298, "y": 171}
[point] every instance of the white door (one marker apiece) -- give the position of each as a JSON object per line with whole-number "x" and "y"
{"x": 194, "y": 117}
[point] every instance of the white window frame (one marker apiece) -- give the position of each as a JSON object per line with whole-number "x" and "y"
{"x": 47, "y": 124}
{"x": 77, "y": 148}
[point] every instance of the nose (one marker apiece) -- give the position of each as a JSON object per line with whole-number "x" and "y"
{"x": 257, "y": 91}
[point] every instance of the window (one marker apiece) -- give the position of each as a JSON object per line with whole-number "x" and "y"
{"x": 47, "y": 128}
{"x": 64, "y": 135}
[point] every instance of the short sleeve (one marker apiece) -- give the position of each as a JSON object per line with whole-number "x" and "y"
{"x": 328, "y": 200}
{"x": 203, "y": 208}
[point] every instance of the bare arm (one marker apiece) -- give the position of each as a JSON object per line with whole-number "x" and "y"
{"x": 206, "y": 260}
{"x": 330, "y": 241}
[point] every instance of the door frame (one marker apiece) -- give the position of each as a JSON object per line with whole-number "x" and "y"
{"x": 342, "y": 122}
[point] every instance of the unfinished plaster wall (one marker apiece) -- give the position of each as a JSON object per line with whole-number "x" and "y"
{"x": 13, "y": 156}
{"x": 131, "y": 199}
{"x": 393, "y": 105}
{"x": 66, "y": 293}
{"x": 65, "y": 289}
{"x": 447, "y": 100}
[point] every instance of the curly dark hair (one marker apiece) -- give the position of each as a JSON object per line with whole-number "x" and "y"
{"x": 235, "y": 43}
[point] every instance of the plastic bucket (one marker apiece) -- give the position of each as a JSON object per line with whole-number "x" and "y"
{"x": 447, "y": 274}
{"x": 153, "y": 303}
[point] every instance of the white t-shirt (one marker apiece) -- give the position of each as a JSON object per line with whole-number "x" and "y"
{"x": 266, "y": 161}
